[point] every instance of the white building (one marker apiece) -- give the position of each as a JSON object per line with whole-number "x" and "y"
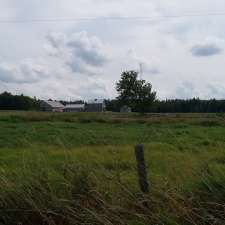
{"x": 51, "y": 106}
{"x": 74, "y": 108}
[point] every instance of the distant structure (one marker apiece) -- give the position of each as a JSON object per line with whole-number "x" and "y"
{"x": 125, "y": 109}
{"x": 51, "y": 106}
{"x": 74, "y": 108}
{"x": 95, "y": 105}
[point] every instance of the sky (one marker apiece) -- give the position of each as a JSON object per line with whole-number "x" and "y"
{"x": 66, "y": 49}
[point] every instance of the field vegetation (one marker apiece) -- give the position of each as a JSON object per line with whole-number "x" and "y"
{"x": 64, "y": 169}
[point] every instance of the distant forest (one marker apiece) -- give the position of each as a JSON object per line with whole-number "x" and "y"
{"x": 194, "y": 105}
{"x": 9, "y": 101}
{"x": 18, "y": 102}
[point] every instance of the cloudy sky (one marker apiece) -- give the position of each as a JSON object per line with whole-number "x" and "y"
{"x": 66, "y": 49}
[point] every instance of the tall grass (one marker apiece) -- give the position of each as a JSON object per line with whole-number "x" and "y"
{"x": 66, "y": 169}
{"x": 72, "y": 193}
{"x": 109, "y": 117}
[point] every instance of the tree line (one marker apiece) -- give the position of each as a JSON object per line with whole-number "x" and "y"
{"x": 9, "y": 101}
{"x": 137, "y": 94}
{"x": 194, "y": 105}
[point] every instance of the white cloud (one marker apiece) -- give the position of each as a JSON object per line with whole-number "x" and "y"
{"x": 186, "y": 90}
{"x": 81, "y": 52}
{"x": 77, "y": 64}
{"x": 24, "y": 72}
{"x": 63, "y": 72}
{"x": 148, "y": 66}
{"x": 215, "y": 90}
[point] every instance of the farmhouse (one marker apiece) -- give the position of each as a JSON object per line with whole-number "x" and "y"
{"x": 95, "y": 105}
{"x": 74, "y": 108}
{"x": 51, "y": 106}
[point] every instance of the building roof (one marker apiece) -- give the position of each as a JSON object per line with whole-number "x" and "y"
{"x": 54, "y": 104}
{"x": 74, "y": 106}
{"x": 96, "y": 101}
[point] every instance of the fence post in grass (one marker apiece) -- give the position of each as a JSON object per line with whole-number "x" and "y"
{"x": 142, "y": 174}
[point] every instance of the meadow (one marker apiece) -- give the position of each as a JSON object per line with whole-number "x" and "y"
{"x": 80, "y": 168}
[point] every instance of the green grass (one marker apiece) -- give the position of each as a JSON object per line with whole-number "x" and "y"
{"x": 81, "y": 169}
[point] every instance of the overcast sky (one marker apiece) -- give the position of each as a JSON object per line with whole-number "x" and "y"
{"x": 182, "y": 57}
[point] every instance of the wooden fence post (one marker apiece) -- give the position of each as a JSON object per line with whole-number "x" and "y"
{"x": 142, "y": 174}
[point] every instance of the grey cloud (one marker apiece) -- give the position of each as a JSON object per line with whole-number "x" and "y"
{"x": 80, "y": 67}
{"x": 202, "y": 50}
{"x": 83, "y": 53}
{"x": 56, "y": 39}
{"x": 24, "y": 72}
{"x": 89, "y": 49}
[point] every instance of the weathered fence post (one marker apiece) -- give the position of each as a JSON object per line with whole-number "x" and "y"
{"x": 142, "y": 174}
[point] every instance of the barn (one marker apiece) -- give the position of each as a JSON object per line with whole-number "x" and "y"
{"x": 52, "y": 106}
{"x": 95, "y": 105}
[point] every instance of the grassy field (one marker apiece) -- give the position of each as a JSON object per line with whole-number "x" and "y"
{"x": 80, "y": 168}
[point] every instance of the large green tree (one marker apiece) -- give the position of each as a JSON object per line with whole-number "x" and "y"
{"x": 134, "y": 92}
